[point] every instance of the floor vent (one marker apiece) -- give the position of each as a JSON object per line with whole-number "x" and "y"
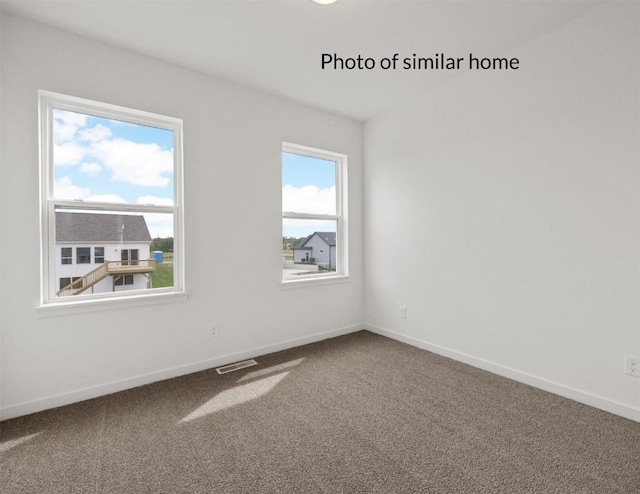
{"x": 237, "y": 366}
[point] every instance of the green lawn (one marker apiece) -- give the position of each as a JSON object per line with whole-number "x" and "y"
{"x": 162, "y": 276}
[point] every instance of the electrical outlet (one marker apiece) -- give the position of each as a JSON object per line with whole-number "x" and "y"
{"x": 403, "y": 312}
{"x": 632, "y": 365}
{"x": 213, "y": 331}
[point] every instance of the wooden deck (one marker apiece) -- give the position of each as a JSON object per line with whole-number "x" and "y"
{"x": 131, "y": 267}
{"x": 108, "y": 268}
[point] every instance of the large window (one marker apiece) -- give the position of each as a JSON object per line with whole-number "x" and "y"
{"x": 111, "y": 181}
{"x": 314, "y": 220}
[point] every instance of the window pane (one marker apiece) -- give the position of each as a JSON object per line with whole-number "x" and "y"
{"x": 308, "y": 184}
{"x": 105, "y": 160}
{"x": 83, "y": 255}
{"x": 123, "y": 247}
{"x": 66, "y": 254}
{"x": 126, "y": 279}
{"x": 308, "y": 248}
{"x": 98, "y": 255}
{"x": 66, "y": 282}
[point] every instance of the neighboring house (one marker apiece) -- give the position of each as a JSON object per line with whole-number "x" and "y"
{"x": 318, "y": 248}
{"x": 97, "y": 253}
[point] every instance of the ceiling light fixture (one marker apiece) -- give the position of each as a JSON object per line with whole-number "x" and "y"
{"x": 325, "y": 2}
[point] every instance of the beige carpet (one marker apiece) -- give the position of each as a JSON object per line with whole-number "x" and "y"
{"x": 355, "y": 414}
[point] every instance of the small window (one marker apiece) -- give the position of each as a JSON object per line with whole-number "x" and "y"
{"x": 66, "y": 255}
{"x": 65, "y": 282}
{"x": 314, "y": 229}
{"x": 111, "y": 181}
{"x": 98, "y": 255}
{"x": 126, "y": 279}
{"x": 83, "y": 255}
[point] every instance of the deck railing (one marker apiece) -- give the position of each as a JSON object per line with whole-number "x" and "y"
{"x": 105, "y": 269}
{"x": 132, "y": 265}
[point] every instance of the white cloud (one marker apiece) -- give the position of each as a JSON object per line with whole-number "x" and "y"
{"x": 68, "y": 154}
{"x": 65, "y": 189}
{"x": 159, "y": 224}
{"x": 95, "y": 150}
{"x": 70, "y": 117}
{"x": 66, "y": 124}
{"x": 309, "y": 199}
{"x": 135, "y": 163}
{"x": 156, "y": 201}
{"x": 91, "y": 169}
{"x": 94, "y": 134}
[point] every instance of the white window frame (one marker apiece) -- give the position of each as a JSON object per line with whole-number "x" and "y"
{"x": 341, "y": 217}
{"x": 47, "y": 102}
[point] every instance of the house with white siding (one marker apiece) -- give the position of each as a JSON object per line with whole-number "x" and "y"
{"x": 97, "y": 253}
{"x": 318, "y": 248}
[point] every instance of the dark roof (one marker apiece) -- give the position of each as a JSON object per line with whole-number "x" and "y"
{"x": 301, "y": 242}
{"x": 328, "y": 237}
{"x": 92, "y": 227}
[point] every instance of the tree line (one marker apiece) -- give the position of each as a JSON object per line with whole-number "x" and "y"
{"x": 163, "y": 244}
{"x": 289, "y": 242}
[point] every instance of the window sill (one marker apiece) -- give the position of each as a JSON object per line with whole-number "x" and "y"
{"x": 309, "y": 282}
{"x": 116, "y": 303}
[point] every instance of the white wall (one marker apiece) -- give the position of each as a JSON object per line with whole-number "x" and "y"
{"x": 232, "y": 186}
{"x": 502, "y": 210}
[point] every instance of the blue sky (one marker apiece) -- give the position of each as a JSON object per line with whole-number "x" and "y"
{"x": 299, "y": 170}
{"x": 98, "y": 159}
{"x": 111, "y": 161}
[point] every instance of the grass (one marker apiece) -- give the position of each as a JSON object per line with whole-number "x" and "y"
{"x": 162, "y": 276}
{"x": 287, "y": 254}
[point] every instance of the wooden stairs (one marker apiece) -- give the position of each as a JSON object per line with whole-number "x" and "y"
{"x": 108, "y": 268}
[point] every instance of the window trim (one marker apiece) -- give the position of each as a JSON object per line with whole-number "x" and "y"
{"x": 341, "y": 216}
{"x": 47, "y": 102}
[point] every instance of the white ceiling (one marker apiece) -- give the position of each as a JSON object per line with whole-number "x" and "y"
{"x": 276, "y": 46}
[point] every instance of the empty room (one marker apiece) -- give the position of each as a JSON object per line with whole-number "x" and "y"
{"x": 315, "y": 246}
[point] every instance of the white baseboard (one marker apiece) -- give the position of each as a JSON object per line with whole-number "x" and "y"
{"x": 55, "y": 401}
{"x": 584, "y": 397}
{"x": 34, "y": 406}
